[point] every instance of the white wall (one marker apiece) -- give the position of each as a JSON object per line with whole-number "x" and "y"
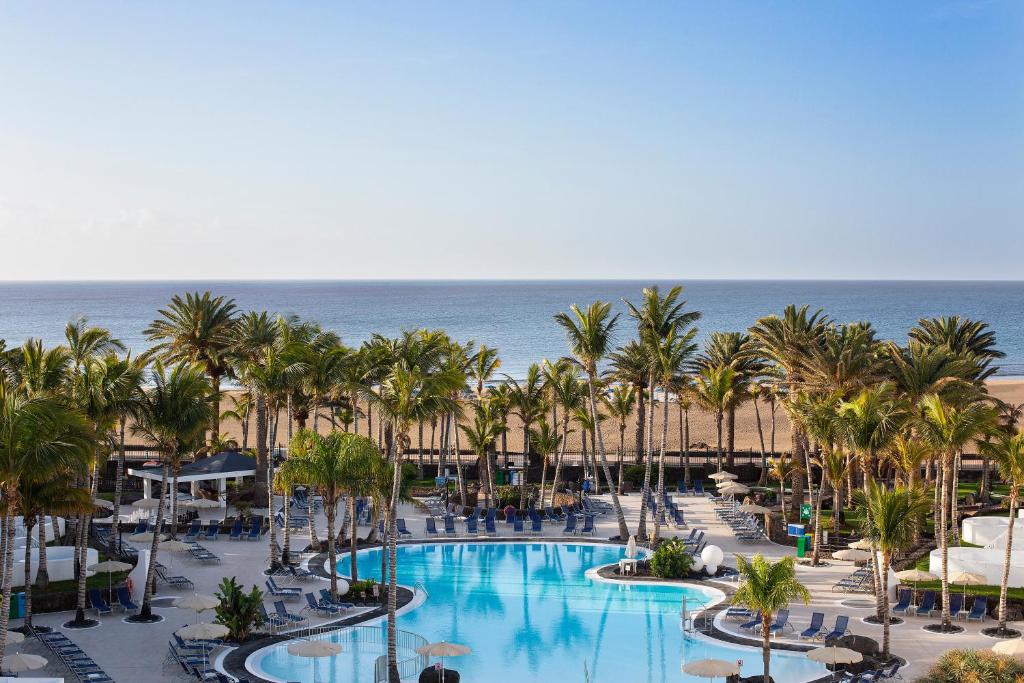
{"x": 60, "y": 563}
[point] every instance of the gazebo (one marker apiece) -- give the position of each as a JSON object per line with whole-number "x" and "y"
{"x": 219, "y": 468}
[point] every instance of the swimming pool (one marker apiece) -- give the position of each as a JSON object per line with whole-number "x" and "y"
{"x": 529, "y": 611}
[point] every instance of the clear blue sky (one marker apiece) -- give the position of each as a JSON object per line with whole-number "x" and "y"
{"x": 514, "y": 139}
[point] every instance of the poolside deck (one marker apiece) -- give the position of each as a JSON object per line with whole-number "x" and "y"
{"x": 134, "y": 653}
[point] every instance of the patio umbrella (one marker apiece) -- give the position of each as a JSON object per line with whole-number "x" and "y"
{"x": 722, "y": 475}
{"x": 144, "y": 537}
{"x": 18, "y": 662}
{"x": 711, "y": 668}
{"x": 314, "y": 649}
{"x": 201, "y": 504}
{"x": 862, "y": 544}
{"x": 914, "y": 576}
{"x": 754, "y": 509}
{"x": 110, "y": 567}
{"x": 147, "y": 503}
{"x": 1014, "y": 647}
{"x": 733, "y": 488}
{"x": 103, "y": 503}
{"x": 203, "y": 631}
{"x": 15, "y": 637}
{"x": 968, "y": 579}
{"x": 196, "y": 602}
{"x": 631, "y": 547}
{"x": 852, "y": 555}
{"x": 443, "y": 649}
{"x": 835, "y": 655}
{"x": 173, "y": 545}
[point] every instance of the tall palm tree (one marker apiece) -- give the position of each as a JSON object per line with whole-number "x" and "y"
{"x": 526, "y": 401}
{"x": 406, "y": 395}
{"x": 714, "y": 391}
{"x": 767, "y": 587}
{"x": 786, "y": 342}
{"x": 481, "y": 434}
{"x": 568, "y": 392}
{"x": 969, "y": 338}
{"x": 631, "y": 365}
{"x": 589, "y": 334}
{"x": 546, "y": 440}
{"x": 784, "y": 468}
{"x": 173, "y": 412}
{"x": 484, "y": 365}
{"x": 737, "y": 351}
{"x": 818, "y": 414}
{"x": 948, "y": 429}
{"x": 834, "y": 466}
{"x": 38, "y": 435}
{"x": 124, "y": 390}
{"x": 656, "y": 318}
{"x": 890, "y": 521}
{"x": 620, "y": 405}
{"x": 1008, "y": 452}
{"x": 198, "y": 329}
{"x": 867, "y": 424}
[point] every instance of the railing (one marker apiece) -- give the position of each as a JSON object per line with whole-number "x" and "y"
{"x": 373, "y": 639}
{"x": 409, "y": 666}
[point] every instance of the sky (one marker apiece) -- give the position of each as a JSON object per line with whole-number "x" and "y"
{"x": 512, "y": 140}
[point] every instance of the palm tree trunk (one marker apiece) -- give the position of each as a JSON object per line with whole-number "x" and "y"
{"x": 622, "y": 454}
{"x": 8, "y": 569}
{"x": 815, "y": 553}
{"x": 331, "y": 508}
{"x": 275, "y": 559}
{"x": 1005, "y": 580}
{"x": 42, "y": 571}
{"x": 314, "y": 542}
{"x": 82, "y": 534}
{"x": 146, "y": 613}
{"x": 463, "y": 490}
{"x": 174, "y": 502}
{"x": 419, "y": 452}
{"x": 718, "y": 451}
{"x": 526, "y": 466}
{"x": 641, "y": 407}
{"x": 886, "y": 612}
{"x": 28, "y": 569}
{"x": 287, "y": 530}
{"x": 954, "y": 501}
{"x": 558, "y": 459}
{"x": 766, "y": 644}
{"x": 353, "y": 565}
{"x": 730, "y": 431}
{"x": 245, "y": 426}
{"x": 686, "y": 446}
{"x": 118, "y": 477}
{"x": 760, "y": 436}
{"x": 543, "y": 479}
{"x": 619, "y": 516}
{"x": 393, "y": 675}
{"x": 262, "y": 456}
{"x": 215, "y": 399}
{"x": 947, "y": 477}
{"x": 661, "y": 468}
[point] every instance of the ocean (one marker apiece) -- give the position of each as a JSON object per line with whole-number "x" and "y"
{"x": 515, "y": 316}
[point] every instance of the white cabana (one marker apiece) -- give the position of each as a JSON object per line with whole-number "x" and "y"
{"x": 218, "y": 468}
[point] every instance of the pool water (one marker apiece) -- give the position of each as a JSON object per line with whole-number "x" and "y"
{"x": 530, "y": 612}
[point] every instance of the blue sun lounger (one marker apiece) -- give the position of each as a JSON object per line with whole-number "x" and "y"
{"x": 903, "y": 604}
{"x": 570, "y": 525}
{"x": 449, "y": 525}
{"x": 588, "y": 526}
{"x": 814, "y": 629}
{"x": 841, "y": 628}
{"x": 956, "y": 605}
{"x": 403, "y": 530}
{"x": 927, "y": 604}
{"x": 236, "y": 531}
{"x": 431, "y": 528}
{"x": 98, "y": 603}
{"x": 978, "y": 610}
{"x": 125, "y": 600}
{"x": 489, "y": 528}
{"x": 212, "y": 530}
{"x": 781, "y": 622}
{"x": 753, "y": 624}
{"x": 193, "y": 530}
{"x": 472, "y": 528}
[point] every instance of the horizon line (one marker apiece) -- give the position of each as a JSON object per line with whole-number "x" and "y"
{"x": 4, "y": 281}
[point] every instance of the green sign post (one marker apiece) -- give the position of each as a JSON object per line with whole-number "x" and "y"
{"x": 805, "y": 511}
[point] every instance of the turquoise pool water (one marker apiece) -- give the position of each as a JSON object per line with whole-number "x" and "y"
{"x": 529, "y": 612}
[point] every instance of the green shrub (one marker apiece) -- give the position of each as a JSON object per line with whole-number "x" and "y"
{"x": 361, "y": 586}
{"x": 508, "y": 495}
{"x": 670, "y": 560}
{"x": 956, "y": 666}
{"x": 238, "y": 610}
{"x": 634, "y": 474}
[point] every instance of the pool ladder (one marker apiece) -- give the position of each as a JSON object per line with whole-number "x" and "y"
{"x": 418, "y": 586}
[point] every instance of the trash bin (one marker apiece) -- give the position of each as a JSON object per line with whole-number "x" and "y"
{"x": 17, "y": 610}
{"x": 801, "y": 545}
{"x": 501, "y": 477}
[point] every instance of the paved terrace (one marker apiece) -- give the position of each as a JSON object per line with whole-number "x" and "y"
{"x": 134, "y": 653}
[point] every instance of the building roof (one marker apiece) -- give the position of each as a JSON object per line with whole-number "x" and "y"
{"x": 225, "y": 465}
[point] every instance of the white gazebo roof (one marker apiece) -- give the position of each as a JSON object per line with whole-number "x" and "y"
{"x": 226, "y": 465}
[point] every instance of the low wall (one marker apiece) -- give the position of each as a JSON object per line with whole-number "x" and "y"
{"x": 60, "y": 563}
{"x": 987, "y": 561}
{"x": 985, "y": 530}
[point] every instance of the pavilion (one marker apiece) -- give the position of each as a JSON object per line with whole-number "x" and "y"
{"x": 221, "y": 467}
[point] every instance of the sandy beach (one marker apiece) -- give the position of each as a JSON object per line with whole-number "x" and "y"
{"x": 702, "y": 425}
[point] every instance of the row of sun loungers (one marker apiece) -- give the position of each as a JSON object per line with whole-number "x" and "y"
{"x": 859, "y": 581}
{"x": 73, "y": 657}
{"x": 175, "y": 581}
{"x": 96, "y": 601}
{"x": 890, "y": 672}
{"x": 814, "y": 631}
{"x": 193, "y": 656}
{"x": 978, "y": 611}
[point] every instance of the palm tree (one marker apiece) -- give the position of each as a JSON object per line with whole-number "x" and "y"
{"x": 567, "y": 391}
{"x": 867, "y": 424}
{"x": 123, "y": 395}
{"x": 38, "y": 435}
{"x": 767, "y": 587}
{"x": 819, "y": 416}
{"x": 948, "y": 429}
{"x": 173, "y": 412}
{"x": 332, "y": 465}
{"x": 714, "y": 391}
{"x": 784, "y": 468}
{"x": 527, "y": 402}
{"x": 481, "y": 435}
{"x": 198, "y": 329}
{"x": 405, "y": 395}
{"x": 786, "y": 342}
{"x": 656, "y": 318}
{"x": 835, "y": 465}
{"x": 631, "y": 365}
{"x": 1008, "y": 452}
{"x": 737, "y": 351}
{"x": 589, "y": 335}
{"x": 889, "y": 523}
{"x": 483, "y": 366}
{"x": 620, "y": 407}
{"x": 546, "y": 440}
{"x": 965, "y": 337}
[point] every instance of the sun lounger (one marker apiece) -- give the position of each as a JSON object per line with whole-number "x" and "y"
{"x": 738, "y": 613}
{"x": 472, "y": 529}
{"x": 141, "y": 527}
{"x": 979, "y": 609}
{"x": 325, "y": 596}
{"x": 892, "y": 672}
{"x": 489, "y": 527}
{"x": 903, "y": 604}
{"x": 212, "y": 530}
{"x": 271, "y": 620}
{"x": 698, "y": 488}
{"x": 814, "y": 629}
{"x": 283, "y": 612}
{"x": 403, "y": 531}
{"x": 98, "y": 603}
{"x": 927, "y": 605}
{"x": 570, "y": 525}
{"x": 588, "y": 526}
{"x": 301, "y": 574}
{"x": 956, "y": 604}
{"x": 254, "y": 531}
{"x": 449, "y": 525}
{"x": 536, "y": 526}
{"x": 841, "y": 628}
{"x": 517, "y": 526}
{"x": 236, "y": 531}
{"x": 552, "y": 515}
{"x": 125, "y": 600}
{"x": 282, "y": 591}
{"x": 319, "y": 607}
{"x": 176, "y": 581}
{"x": 193, "y": 530}
{"x": 431, "y": 529}
{"x": 753, "y": 624}
{"x": 781, "y": 622}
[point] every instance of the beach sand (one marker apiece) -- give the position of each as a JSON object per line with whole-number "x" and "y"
{"x": 702, "y": 425}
